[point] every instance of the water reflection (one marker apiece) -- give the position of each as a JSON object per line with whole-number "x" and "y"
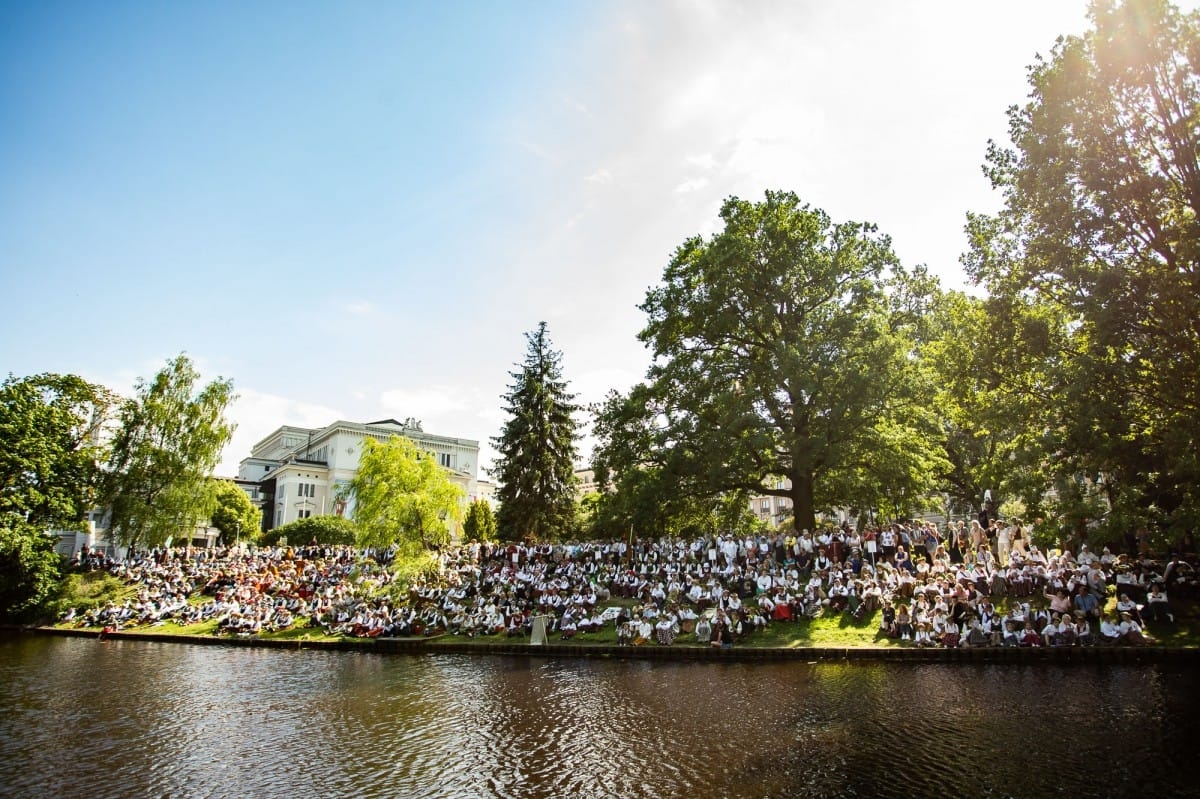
{"x": 122, "y": 718}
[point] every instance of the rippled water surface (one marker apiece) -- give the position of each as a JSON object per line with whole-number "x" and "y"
{"x": 130, "y": 719}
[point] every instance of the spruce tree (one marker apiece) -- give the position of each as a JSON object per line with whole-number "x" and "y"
{"x": 536, "y": 467}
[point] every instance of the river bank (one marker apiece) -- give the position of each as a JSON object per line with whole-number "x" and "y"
{"x": 739, "y": 653}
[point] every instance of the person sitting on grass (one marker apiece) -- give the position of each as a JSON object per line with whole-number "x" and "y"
{"x": 887, "y": 620}
{"x": 943, "y": 630}
{"x": 568, "y": 625}
{"x": 1067, "y": 631}
{"x": 1083, "y": 629}
{"x": 1130, "y": 632}
{"x": 645, "y": 630}
{"x": 1156, "y": 607}
{"x": 839, "y": 595}
{"x": 1050, "y": 630}
{"x": 1127, "y": 605}
{"x": 904, "y": 623}
{"x": 665, "y": 630}
{"x": 1110, "y": 631}
{"x": 973, "y": 634}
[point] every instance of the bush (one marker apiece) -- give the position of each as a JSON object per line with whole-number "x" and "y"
{"x": 87, "y": 590}
{"x": 29, "y": 569}
{"x": 325, "y": 530}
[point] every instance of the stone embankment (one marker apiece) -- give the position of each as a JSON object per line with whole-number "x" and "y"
{"x": 742, "y": 653}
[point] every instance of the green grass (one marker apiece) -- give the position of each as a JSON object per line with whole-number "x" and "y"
{"x": 836, "y": 631}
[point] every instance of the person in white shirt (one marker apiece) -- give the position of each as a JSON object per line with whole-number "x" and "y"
{"x": 1003, "y": 544}
{"x": 1130, "y": 632}
{"x": 1156, "y": 607}
{"x": 1110, "y": 631}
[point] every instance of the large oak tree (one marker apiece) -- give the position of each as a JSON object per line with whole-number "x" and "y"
{"x": 785, "y": 364}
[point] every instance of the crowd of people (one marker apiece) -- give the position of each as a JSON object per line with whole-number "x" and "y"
{"x": 963, "y": 585}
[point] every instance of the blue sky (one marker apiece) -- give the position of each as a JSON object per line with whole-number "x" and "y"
{"x": 355, "y": 210}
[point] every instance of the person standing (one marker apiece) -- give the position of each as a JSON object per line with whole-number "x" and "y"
{"x": 887, "y": 543}
{"x": 1003, "y": 543}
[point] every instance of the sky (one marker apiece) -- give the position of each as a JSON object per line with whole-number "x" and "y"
{"x": 357, "y": 210}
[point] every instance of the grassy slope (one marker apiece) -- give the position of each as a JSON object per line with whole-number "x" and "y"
{"x": 830, "y": 630}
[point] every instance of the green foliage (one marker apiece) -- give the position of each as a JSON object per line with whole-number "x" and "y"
{"x": 993, "y": 360}
{"x": 29, "y": 568}
{"x": 536, "y": 467}
{"x": 85, "y": 591}
{"x": 235, "y": 515}
{"x": 586, "y": 513}
{"x": 325, "y": 530}
{"x": 480, "y": 522}
{"x": 49, "y": 450}
{"x": 1100, "y": 226}
{"x": 784, "y": 346}
{"x": 170, "y": 438}
{"x": 402, "y": 497}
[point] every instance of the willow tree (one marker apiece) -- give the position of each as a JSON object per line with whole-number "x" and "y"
{"x": 157, "y": 483}
{"x": 536, "y": 465}
{"x": 1101, "y": 185}
{"x": 785, "y": 364}
{"x": 403, "y": 498}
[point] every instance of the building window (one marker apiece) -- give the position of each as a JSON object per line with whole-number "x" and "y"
{"x": 444, "y": 459}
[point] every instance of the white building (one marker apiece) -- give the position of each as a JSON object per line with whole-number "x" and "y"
{"x": 585, "y": 483}
{"x": 772, "y": 509}
{"x": 296, "y": 472}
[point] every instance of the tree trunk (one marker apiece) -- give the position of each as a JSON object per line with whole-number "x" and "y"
{"x": 802, "y": 502}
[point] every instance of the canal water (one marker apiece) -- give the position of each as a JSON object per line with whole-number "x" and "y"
{"x": 86, "y": 718}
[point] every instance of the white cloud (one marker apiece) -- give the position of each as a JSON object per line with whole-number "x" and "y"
{"x": 690, "y": 185}
{"x": 449, "y": 410}
{"x": 600, "y": 176}
{"x": 361, "y": 308}
{"x": 258, "y": 413}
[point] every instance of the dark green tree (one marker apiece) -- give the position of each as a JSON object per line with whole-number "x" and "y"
{"x": 785, "y": 364}
{"x": 235, "y": 515}
{"x": 170, "y": 437}
{"x": 29, "y": 568}
{"x": 994, "y": 359}
{"x": 50, "y": 446}
{"x": 480, "y": 522}
{"x": 536, "y": 465}
{"x": 1102, "y": 189}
